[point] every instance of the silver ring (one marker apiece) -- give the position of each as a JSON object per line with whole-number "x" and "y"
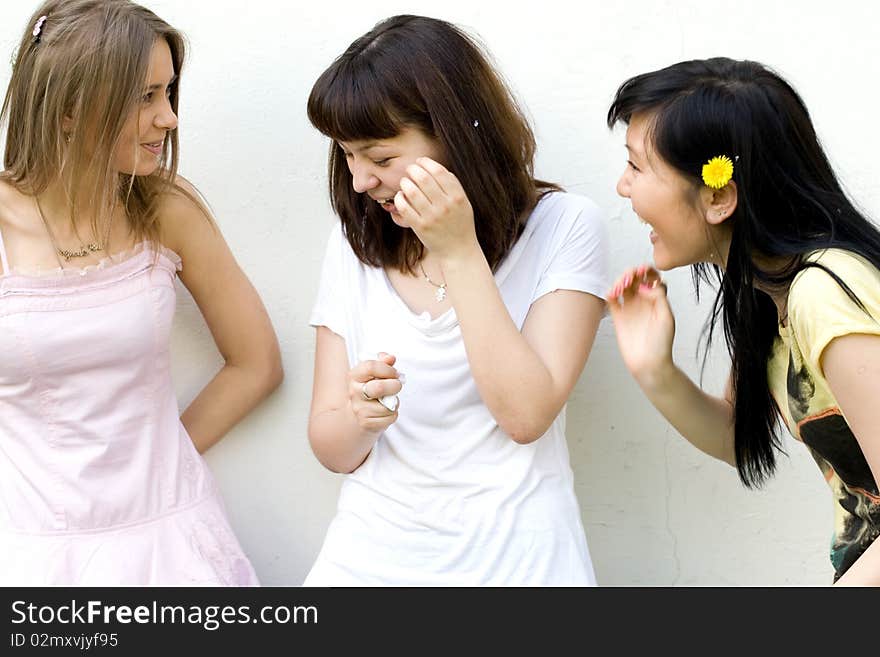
{"x": 364, "y": 391}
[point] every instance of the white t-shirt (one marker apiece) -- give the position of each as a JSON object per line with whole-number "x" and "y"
{"x": 445, "y": 497}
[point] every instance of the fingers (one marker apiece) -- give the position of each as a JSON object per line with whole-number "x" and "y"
{"x": 648, "y": 275}
{"x": 371, "y": 414}
{"x": 408, "y": 217}
{"x": 442, "y": 176}
{"x": 367, "y": 370}
{"x": 415, "y": 198}
{"x": 376, "y": 388}
{"x": 428, "y": 183}
{"x": 419, "y": 191}
{"x": 375, "y": 415}
{"x": 369, "y": 382}
{"x": 422, "y": 184}
{"x": 641, "y": 279}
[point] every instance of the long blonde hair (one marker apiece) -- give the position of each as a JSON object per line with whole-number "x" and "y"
{"x": 87, "y": 68}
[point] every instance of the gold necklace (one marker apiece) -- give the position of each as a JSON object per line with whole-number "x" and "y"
{"x": 84, "y": 249}
{"x": 440, "y": 294}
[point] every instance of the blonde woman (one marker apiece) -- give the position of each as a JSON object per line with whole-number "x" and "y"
{"x": 101, "y": 480}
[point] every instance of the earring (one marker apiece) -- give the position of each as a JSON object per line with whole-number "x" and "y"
{"x": 67, "y": 137}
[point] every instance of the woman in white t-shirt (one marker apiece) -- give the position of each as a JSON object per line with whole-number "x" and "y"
{"x": 453, "y": 265}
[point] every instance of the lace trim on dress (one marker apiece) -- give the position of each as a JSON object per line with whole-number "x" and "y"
{"x": 105, "y": 262}
{"x": 211, "y": 538}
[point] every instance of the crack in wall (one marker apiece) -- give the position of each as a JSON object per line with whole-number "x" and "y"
{"x": 672, "y": 536}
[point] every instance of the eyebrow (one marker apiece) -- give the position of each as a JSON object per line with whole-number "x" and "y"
{"x": 153, "y": 87}
{"x": 368, "y": 145}
{"x": 371, "y": 144}
{"x": 632, "y": 151}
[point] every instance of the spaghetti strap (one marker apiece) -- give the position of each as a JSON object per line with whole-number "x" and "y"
{"x": 3, "y": 258}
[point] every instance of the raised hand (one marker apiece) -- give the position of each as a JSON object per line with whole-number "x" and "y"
{"x": 643, "y": 321}
{"x": 433, "y": 203}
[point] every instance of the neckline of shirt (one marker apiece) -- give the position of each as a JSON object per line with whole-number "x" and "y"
{"x": 448, "y": 319}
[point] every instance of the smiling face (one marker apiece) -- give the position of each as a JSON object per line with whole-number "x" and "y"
{"x": 377, "y": 165}
{"x": 140, "y": 146}
{"x": 667, "y": 201}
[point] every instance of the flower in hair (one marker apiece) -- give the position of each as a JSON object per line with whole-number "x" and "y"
{"x": 718, "y": 171}
{"x": 38, "y": 27}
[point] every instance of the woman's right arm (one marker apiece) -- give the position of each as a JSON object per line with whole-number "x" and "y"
{"x": 343, "y": 425}
{"x": 645, "y": 329}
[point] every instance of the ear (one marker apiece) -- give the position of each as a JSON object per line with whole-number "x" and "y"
{"x": 719, "y": 204}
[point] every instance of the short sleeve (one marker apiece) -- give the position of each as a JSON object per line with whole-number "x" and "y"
{"x": 578, "y": 257}
{"x": 820, "y": 310}
{"x": 329, "y": 307}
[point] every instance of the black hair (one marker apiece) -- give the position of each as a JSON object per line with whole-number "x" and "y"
{"x": 789, "y": 205}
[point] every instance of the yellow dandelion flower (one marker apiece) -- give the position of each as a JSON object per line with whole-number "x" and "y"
{"x": 717, "y": 172}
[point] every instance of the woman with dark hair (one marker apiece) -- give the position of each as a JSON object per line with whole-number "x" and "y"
{"x": 453, "y": 264}
{"x": 725, "y": 166}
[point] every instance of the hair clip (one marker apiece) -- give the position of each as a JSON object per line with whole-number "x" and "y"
{"x": 38, "y": 27}
{"x": 718, "y": 171}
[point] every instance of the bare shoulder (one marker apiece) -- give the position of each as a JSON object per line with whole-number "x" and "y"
{"x": 10, "y": 196}
{"x": 185, "y": 216}
{"x": 7, "y": 198}
{"x": 15, "y": 207}
{"x": 7, "y": 189}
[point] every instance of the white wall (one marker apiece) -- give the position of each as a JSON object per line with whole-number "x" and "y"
{"x": 656, "y": 511}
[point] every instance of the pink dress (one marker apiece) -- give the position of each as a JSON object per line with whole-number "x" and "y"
{"x": 100, "y": 485}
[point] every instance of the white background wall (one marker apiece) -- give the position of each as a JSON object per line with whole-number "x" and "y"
{"x": 656, "y": 511}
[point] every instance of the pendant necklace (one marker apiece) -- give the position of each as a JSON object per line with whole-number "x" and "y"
{"x": 440, "y": 293}
{"x": 84, "y": 249}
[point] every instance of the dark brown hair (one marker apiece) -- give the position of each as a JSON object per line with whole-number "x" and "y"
{"x": 425, "y": 73}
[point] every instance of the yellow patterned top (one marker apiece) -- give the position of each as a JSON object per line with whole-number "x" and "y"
{"x": 819, "y": 310}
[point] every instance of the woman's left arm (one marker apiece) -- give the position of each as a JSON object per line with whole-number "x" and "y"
{"x": 851, "y": 364}
{"x": 524, "y": 378}
{"x": 235, "y": 315}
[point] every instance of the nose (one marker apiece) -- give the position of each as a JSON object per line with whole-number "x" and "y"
{"x": 623, "y": 183}
{"x": 166, "y": 118}
{"x": 362, "y": 178}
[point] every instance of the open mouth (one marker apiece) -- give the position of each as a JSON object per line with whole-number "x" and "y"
{"x": 386, "y": 204}
{"x": 653, "y": 234}
{"x": 154, "y": 147}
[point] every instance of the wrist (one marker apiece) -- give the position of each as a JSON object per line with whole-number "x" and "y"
{"x": 462, "y": 259}
{"x": 657, "y": 378}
